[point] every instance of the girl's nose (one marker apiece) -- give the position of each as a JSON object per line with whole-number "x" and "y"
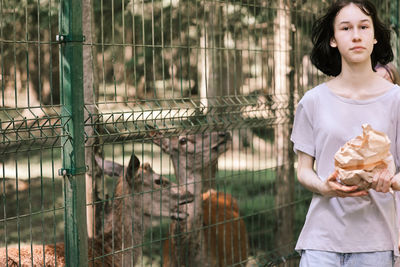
{"x": 356, "y": 35}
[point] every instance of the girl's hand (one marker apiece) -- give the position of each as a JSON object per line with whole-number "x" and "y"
{"x": 333, "y": 188}
{"x": 382, "y": 181}
{"x": 395, "y": 183}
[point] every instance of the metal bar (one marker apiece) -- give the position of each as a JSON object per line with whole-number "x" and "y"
{"x": 73, "y": 151}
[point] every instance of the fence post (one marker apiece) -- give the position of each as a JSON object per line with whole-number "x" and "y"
{"x": 73, "y": 141}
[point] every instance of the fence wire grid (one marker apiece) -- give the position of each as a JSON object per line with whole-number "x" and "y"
{"x": 154, "y": 133}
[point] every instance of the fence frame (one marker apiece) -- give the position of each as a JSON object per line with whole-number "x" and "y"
{"x": 73, "y": 144}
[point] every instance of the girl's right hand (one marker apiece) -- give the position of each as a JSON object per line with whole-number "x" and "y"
{"x": 333, "y": 188}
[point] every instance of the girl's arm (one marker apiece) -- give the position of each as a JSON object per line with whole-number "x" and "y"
{"x": 331, "y": 187}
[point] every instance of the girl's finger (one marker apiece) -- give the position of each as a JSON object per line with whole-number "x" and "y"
{"x": 383, "y": 181}
{"x": 346, "y": 188}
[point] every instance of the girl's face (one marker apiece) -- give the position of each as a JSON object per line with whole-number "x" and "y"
{"x": 353, "y": 35}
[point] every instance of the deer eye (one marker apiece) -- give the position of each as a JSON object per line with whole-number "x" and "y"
{"x": 183, "y": 141}
{"x": 161, "y": 182}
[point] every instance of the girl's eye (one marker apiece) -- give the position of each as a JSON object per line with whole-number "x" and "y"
{"x": 364, "y": 27}
{"x": 345, "y": 28}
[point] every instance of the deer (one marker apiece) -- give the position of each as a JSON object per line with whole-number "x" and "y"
{"x": 224, "y": 232}
{"x": 225, "y": 235}
{"x": 218, "y": 223}
{"x": 140, "y": 194}
{"x": 213, "y": 216}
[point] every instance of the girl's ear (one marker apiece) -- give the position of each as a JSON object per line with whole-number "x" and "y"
{"x": 375, "y": 41}
{"x": 332, "y": 43}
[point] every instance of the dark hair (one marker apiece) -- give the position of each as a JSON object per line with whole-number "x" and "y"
{"x": 326, "y": 58}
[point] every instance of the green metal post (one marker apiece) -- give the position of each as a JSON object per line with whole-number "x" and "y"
{"x": 73, "y": 150}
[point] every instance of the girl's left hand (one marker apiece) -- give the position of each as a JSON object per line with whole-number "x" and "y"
{"x": 382, "y": 181}
{"x": 395, "y": 183}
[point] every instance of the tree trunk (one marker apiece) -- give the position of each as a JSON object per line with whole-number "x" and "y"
{"x": 90, "y": 85}
{"x": 203, "y": 69}
{"x": 284, "y": 87}
{"x": 220, "y": 66}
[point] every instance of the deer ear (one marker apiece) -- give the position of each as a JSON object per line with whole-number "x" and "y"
{"x": 110, "y": 168}
{"x": 133, "y": 166}
{"x": 164, "y": 143}
{"x": 153, "y": 133}
{"x": 155, "y": 136}
{"x": 158, "y": 138}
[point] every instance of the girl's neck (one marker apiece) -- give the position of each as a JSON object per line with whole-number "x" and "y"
{"x": 358, "y": 81}
{"x": 357, "y": 75}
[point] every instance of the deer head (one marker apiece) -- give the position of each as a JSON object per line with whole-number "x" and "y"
{"x": 194, "y": 156}
{"x": 159, "y": 196}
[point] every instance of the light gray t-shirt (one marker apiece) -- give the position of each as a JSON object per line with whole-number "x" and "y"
{"x": 323, "y": 123}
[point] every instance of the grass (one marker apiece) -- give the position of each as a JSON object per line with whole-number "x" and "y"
{"x": 31, "y": 211}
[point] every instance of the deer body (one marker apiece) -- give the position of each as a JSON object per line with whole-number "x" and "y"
{"x": 139, "y": 195}
{"x": 225, "y": 235}
{"x": 224, "y": 232}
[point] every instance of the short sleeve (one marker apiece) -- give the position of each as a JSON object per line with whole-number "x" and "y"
{"x": 397, "y": 120}
{"x": 302, "y": 133}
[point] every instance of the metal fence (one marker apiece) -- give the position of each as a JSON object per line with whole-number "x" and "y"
{"x": 203, "y": 91}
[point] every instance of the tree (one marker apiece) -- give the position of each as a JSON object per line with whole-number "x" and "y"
{"x": 284, "y": 88}
{"x": 91, "y": 93}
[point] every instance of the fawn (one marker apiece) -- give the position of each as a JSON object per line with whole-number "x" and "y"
{"x": 139, "y": 194}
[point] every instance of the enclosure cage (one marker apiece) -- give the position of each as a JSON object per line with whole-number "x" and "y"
{"x": 154, "y": 132}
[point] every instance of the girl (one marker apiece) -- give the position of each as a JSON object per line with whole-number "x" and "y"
{"x": 346, "y": 226}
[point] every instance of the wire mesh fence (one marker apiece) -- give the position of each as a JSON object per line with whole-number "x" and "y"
{"x": 153, "y": 132}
